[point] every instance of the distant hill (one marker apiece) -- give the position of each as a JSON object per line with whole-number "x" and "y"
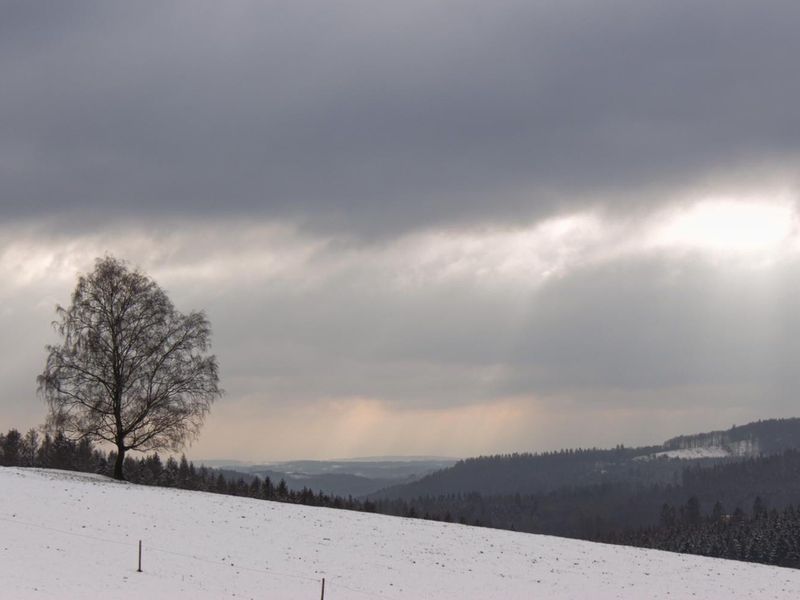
{"x": 759, "y": 438}
{"x": 550, "y": 471}
{"x": 352, "y": 477}
{"x": 597, "y": 511}
{"x": 370, "y": 468}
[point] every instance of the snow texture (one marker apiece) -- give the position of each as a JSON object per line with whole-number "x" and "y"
{"x": 693, "y": 449}
{"x": 694, "y": 453}
{"x": 68, "y": 535}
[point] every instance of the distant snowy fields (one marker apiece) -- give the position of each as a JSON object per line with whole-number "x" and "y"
{"x": 690, "y": 453}
{"x": 67, "y": 535}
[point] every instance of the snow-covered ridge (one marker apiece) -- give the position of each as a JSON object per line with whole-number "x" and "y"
{"x": 65, "y": 535}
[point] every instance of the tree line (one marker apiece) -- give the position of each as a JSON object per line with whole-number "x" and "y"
{"x": 764, "y": 536}
{"x": 57, "y": 451}
{"x": 706, "y": 513}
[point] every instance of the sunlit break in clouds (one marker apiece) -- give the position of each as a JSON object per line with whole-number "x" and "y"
{"x": 725, "y": 226}
{"x": 508, "y": 227}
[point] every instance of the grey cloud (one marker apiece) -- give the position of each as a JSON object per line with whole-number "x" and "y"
{"x": 360, "y": 338}
{"x": 665, "y": 323}
{"x": 669, "y": 332}
{"x": 377, "y": 118}
{"x": 629, "y": 332}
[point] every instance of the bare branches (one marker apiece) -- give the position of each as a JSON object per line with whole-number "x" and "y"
{"x": 131, "y": 370}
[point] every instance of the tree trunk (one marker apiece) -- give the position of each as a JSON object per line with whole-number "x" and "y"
{"x": 118, "y": 474}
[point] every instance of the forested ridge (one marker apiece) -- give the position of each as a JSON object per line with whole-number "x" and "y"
{"x": 770, "y": 436}
{"x": 534, "y": 473}
{"x": 597, "y": 511}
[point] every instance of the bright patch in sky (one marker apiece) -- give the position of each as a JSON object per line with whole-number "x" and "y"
{"x": 729, "y": 226}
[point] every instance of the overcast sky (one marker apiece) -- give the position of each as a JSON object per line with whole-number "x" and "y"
{"x": 419, "y": 227}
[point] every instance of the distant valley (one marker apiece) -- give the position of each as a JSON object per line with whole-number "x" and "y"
{"x": 351, "y": 477}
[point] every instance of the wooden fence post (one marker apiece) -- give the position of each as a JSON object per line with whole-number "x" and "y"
{"x": 139, "y": 570}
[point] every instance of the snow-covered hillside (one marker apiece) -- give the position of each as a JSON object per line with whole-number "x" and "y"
{"x": 65, "y": 535}
{"x": 690, "y": 453}
{"x": 699, "y": 447}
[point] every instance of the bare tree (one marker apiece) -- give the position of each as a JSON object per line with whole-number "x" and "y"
{"x": 130, "y": 370}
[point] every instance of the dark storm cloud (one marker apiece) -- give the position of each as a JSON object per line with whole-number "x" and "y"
{"x": 375, "y": 117}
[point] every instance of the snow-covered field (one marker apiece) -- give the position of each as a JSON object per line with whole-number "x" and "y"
{"x": 690, "y": 453}
{"x": 65, "y": 535}
{"x": 703, "y": 449}
{"x": 694, "y": 453}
